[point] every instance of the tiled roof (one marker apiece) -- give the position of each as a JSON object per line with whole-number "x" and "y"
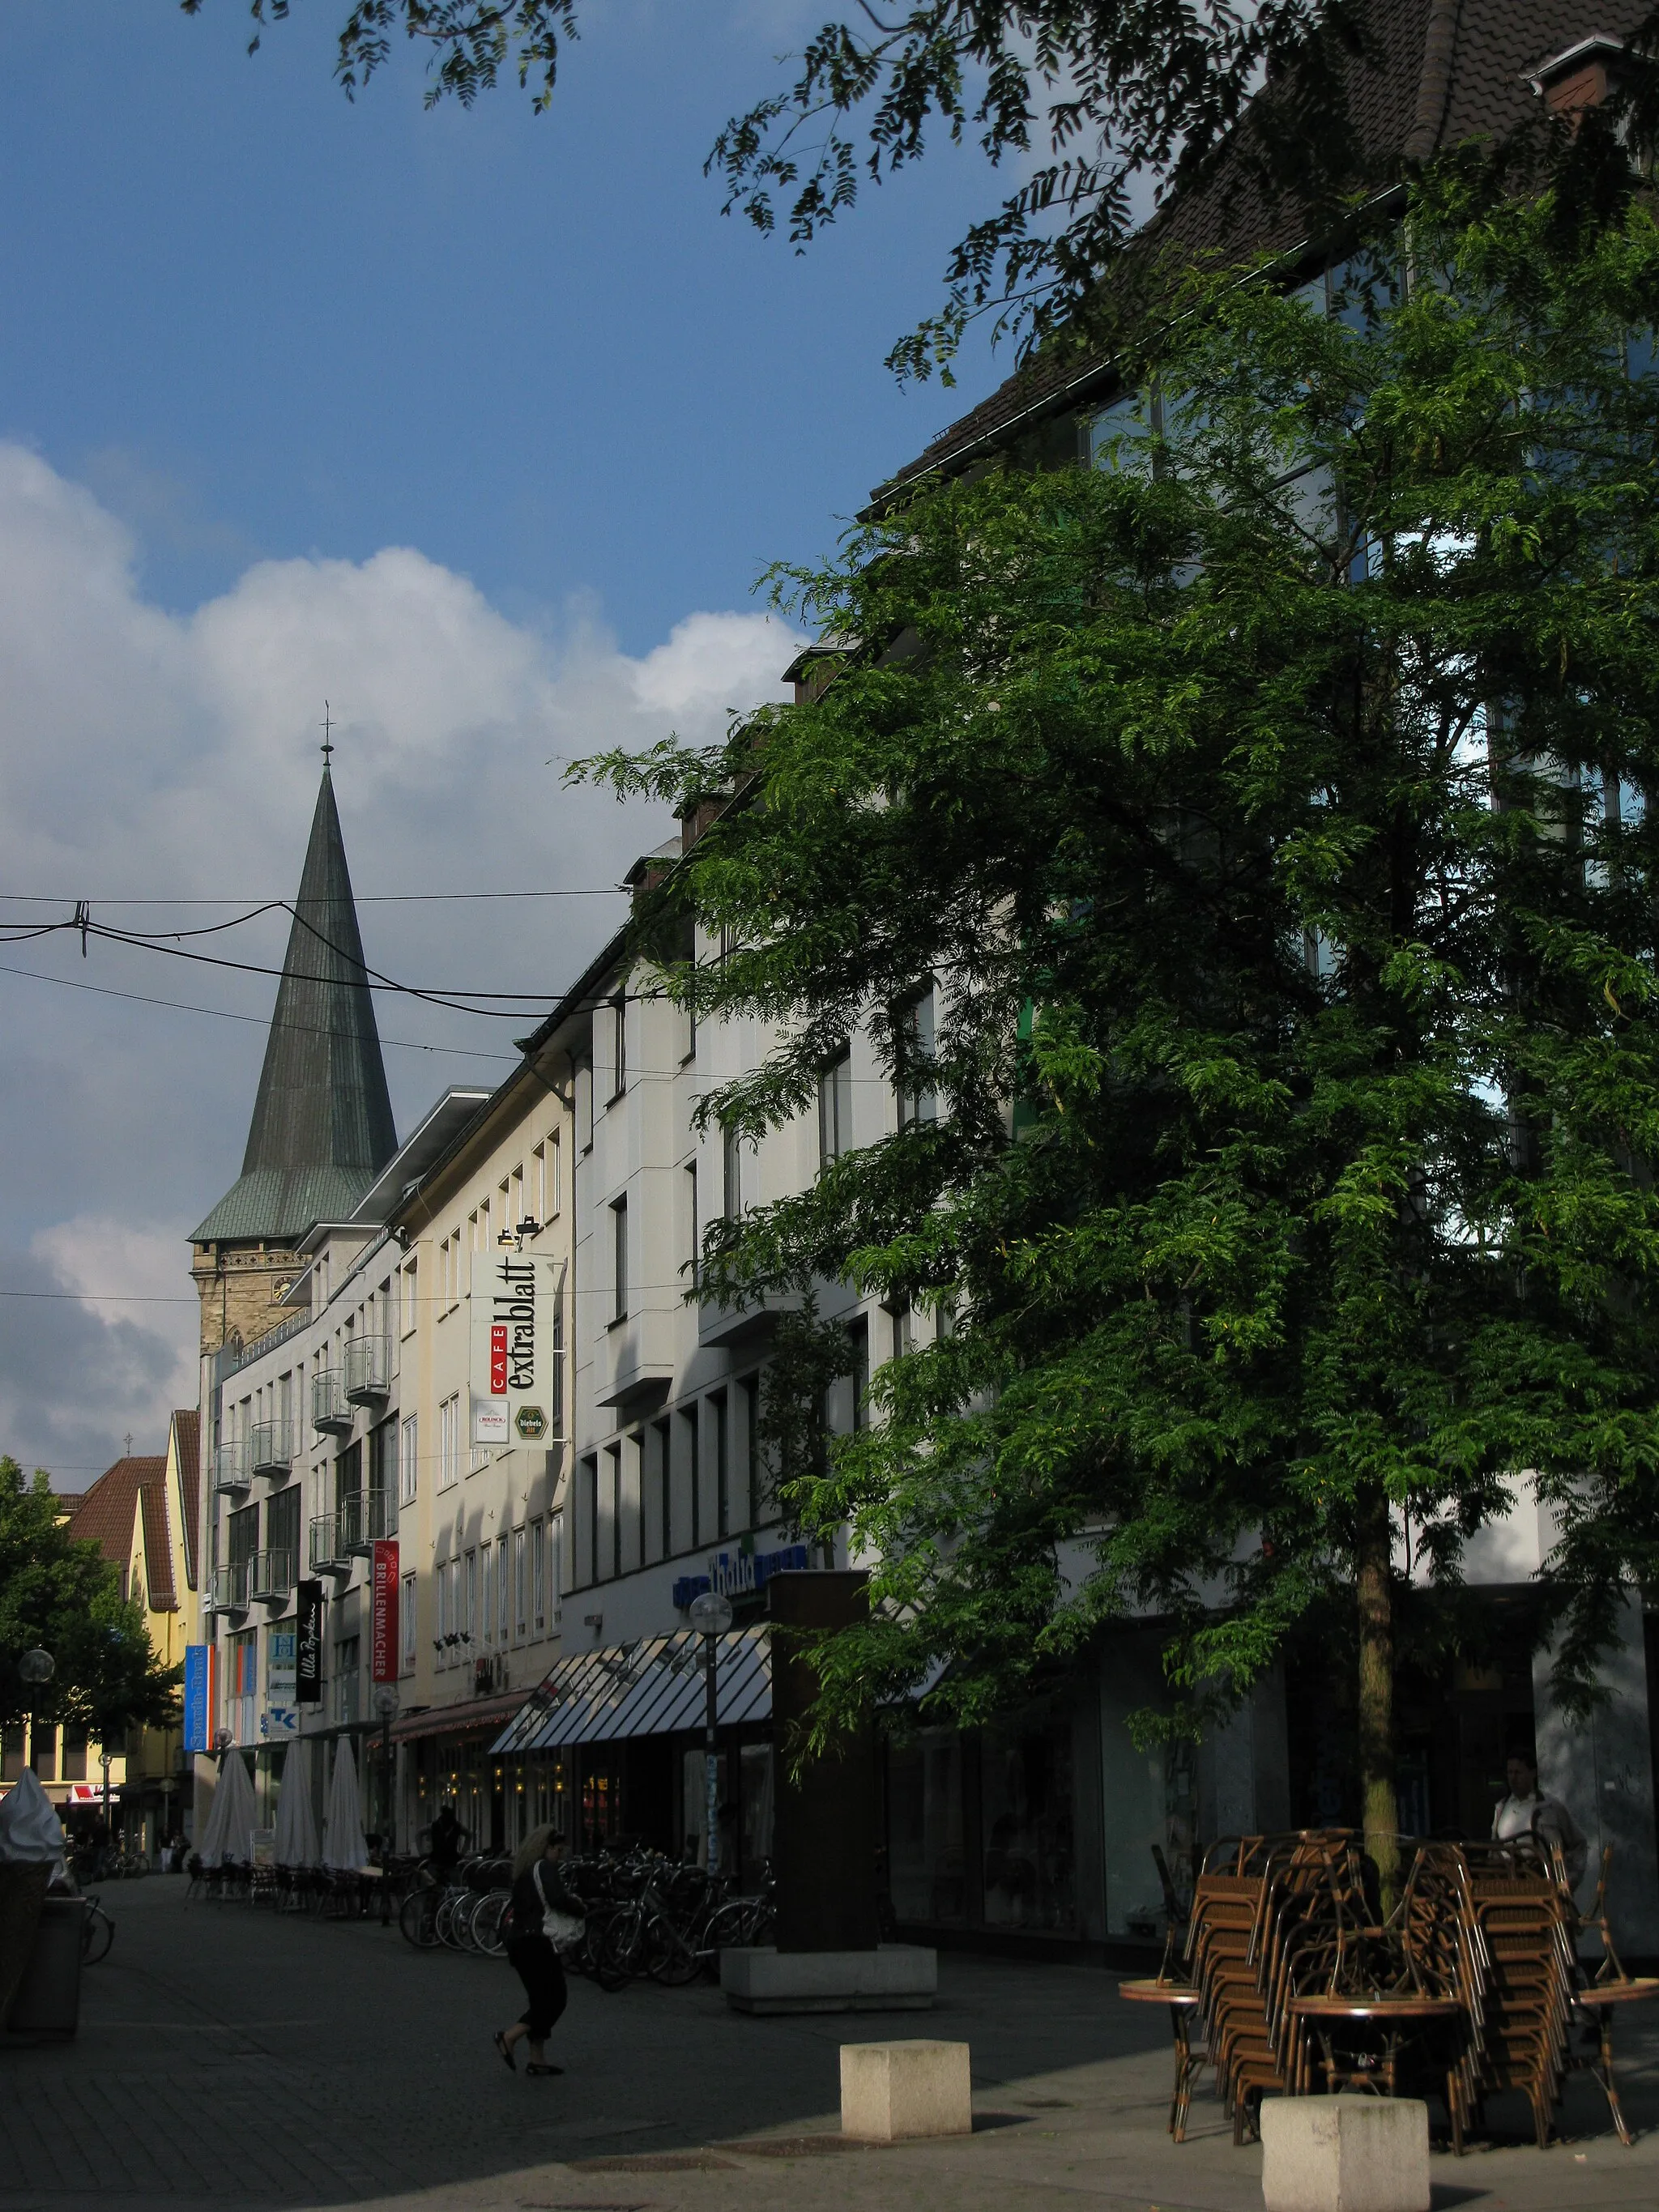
{"x": 187, "y": 1450}
{"x": 105, "y": 1514}
{"x": 322, "y": 1125}
{"x": 158, "y": 1545}
{"x": 1400, "y": 99}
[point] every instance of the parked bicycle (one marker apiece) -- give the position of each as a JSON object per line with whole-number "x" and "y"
{"x": 97, "y": 1933}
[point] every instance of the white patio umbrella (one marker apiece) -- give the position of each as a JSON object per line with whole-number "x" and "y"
{"x": 342, "y": 1832}
{"x": 232, "y": 1814}
{"x": 295, "y": 1841}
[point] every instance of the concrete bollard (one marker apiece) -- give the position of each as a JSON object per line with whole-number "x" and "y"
{"x": 892, "y": 2092}
{"x": 1344, "y": 2154}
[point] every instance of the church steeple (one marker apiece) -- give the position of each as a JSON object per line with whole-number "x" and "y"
{"x": 322, "y": 1126}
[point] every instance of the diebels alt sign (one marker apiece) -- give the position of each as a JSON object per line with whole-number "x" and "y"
{"x": 517, "y": 1348}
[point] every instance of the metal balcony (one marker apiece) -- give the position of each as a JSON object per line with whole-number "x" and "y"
{"x": 364, "y": 1516}
{"x": 270, "y": 1574}
{"x": 229, "y": 1589}
{"x": 367, "y": 1366}
{"x": 271, "y": 1447}
{"x": 329, "y": 1407}
{"x": 327, "y": 1554}
{"x": 231, "y": 1472}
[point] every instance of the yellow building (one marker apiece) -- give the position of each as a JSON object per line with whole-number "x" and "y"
{"x": 142, "y": 1513}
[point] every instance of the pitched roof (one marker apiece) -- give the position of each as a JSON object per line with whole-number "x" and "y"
{"x": 187, "y": 1452}
{"x": 158, "y": 1547}
{"x": 105, "y": 1514}
{"x": 1436, "y": 74}
{"x": 322, "y": 1126}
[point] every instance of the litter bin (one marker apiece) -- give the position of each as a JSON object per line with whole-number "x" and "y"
{"x": 48, "y": 1999}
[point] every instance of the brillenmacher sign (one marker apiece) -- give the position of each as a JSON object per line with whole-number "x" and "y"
{"x": 517, "y": 1345}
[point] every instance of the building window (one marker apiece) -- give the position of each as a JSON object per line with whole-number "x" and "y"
{"x": 619, "y": 1252}
{"x": 732, "y": 1162}
{"x": 537, "y": 1579}
{"x": 753, "y": 1505}
{"x": 470, "y": 1596}
{"x": 242, "y": 1686}
{"x": 408, "y": 1459}
{"x": 858, "y": 1339}
{"x": 282, "y": 1535}
{"x": 501, "y": 1590}
{"x": 589, "y": 1509}
{"x": 613, "y": 1495}
{"x": 449, "y": 1441}
{"x": 689, "y": 1416}
{"x": 917, "y": 1039}
{"x": 555, "y": 1567}
{"x": 835, "y": 1108}
{"x": 717, "y": 1404}
{"x": 663, "y": 1433}
{"x": 694, "y": 1225}
{"x": 409, "y": 1289}
{"x": 345, "y": 1679}
{"x": 585, "y": 1105}
{"x": 408, "y": 1623}
{"x": 619, "y": 1050}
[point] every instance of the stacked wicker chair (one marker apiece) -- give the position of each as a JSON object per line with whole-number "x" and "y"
{"x": 1525, "y": 1925}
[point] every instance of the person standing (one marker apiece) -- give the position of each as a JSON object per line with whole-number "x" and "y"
{"x": 1527, "y": 1812}
{"x": 447, "y": 1837}
{"x": 540, "y": 1909}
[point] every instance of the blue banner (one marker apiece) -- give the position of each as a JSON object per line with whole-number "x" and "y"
{"x": 198, "y": 1704}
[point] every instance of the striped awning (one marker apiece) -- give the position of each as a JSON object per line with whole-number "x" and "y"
{"x": 654, "y": 1687}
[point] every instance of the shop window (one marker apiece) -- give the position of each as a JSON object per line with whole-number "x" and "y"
{"x": 927, "y": 1847}
{"x": 1027, "y": 1818}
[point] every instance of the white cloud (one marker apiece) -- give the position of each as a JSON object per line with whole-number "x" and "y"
{"x": 149, "y": 754}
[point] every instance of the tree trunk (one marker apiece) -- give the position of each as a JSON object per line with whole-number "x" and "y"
{"x": 1375, "y": 1593}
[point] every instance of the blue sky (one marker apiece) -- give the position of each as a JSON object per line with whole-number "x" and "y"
{"x": 478, "y": 425}
{"x": 258, "y": 320}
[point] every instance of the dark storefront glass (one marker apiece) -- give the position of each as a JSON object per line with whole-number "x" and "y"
{"x": 981, "y": 1830}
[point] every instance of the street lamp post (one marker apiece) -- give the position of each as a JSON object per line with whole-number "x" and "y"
{"x": 385, "y": 1704}
{"x": 36, "y": 1669}
{"x": 711, "y": 1616}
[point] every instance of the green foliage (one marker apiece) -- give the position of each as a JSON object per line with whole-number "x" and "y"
{"x": 64, "y": 1597}
{"x": 1087, "y": 99}
{"x": 1293, "y": 772}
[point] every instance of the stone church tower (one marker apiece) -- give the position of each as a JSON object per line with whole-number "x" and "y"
{"x": 322, "y": 1125}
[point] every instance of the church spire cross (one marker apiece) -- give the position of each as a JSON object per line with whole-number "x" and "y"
{"x": 327, "y": 746}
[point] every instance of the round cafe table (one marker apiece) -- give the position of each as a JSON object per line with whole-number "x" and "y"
{"x": 1604, "y": 1999}
{"x": 1181, "y": 1998}
{"x": 1395, "y": 2019}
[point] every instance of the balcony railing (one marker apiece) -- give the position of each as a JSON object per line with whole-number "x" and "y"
{"x": 229, "y": 1592}
{"x": 367, "y": 1366}
{"x": 326, "y": 1551}
{"x": 231, "y": 1471}
{"x": 361, "y": 1517}
{"x": 270, "y": 1574}
{"x": 329, "y": 1408}
{"x": 271, "y": 1447}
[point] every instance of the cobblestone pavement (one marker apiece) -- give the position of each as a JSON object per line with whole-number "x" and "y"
{"x": 231, "y": 2059}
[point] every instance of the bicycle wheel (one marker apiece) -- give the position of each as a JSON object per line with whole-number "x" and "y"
{"x": 444, "y": 1920}
{"x": 671, "y": 1955}
{"x": 623, "y": 1946}
{"x": 487, "y": 1916}
{"x": 418, "y": 1917}
{"x": 728, "y": 1929}
{"x": 97, "y": 1933}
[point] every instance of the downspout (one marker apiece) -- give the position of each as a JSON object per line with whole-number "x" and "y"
{"x": 1434, "y": 82}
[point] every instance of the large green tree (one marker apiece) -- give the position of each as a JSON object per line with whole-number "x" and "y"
{"x": 1269, "y": 807}
{"x": 1096, "y": 105}
{"x": 63, "y": 1597}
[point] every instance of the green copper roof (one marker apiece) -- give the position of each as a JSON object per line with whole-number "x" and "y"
{"x": 322, "y": 1126}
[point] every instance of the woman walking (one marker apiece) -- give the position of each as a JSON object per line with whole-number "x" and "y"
{"x": 541, "y": 1907}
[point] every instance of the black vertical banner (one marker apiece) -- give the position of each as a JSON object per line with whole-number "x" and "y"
{"x": 308, "y": 1687}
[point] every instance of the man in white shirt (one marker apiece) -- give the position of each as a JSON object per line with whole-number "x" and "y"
{"x": 1526, "y": 1812}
